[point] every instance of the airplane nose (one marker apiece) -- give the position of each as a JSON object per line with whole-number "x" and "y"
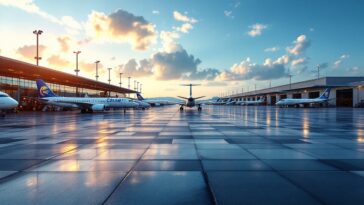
{"x": 15, "y": 103}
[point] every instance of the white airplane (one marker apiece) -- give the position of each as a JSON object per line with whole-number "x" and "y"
{"x": 253, "y": 102}
{"x": 191, "y": 101}
{"x": 161, "y": 101}
{"x": 290, "y": 101}
{"x": 210, "y": 101}
{"x": 6, "y": 103}
{"x": 86, "y": 104}
{"x": 216, "y": 101}
{"x": 142, "y": 105}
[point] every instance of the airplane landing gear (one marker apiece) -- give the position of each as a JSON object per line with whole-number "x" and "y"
{"x": 199, "y": 108}
{"x": 181, "y": 108}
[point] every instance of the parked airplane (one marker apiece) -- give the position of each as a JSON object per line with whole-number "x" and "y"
{"x": 86, "y": 104}
{"x": 253, "y": 102}
{"x": 142, "y": 105}
{"x": 290, "y": 101}
{"x": 219, "y": 101}
{"x": 191, "y": 101}
{"x": 158, "y": 101}
{"x": 6, "y": 103}
{"x": 211, "y": 101}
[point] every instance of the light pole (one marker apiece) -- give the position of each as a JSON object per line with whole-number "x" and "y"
{"x": 97, "y": 70}
{"x": 129, "y": 84}
{"x": 140, "y": 89}
{"x": 134, "y": 84}
{"x": 290, "y": 81}
{"x": 137, "y": 88}
{"x": 120, "y": 83}
{"x": 318, "y": 71}
{"x": 77, "y": 70}
{"x": 109, "y": 75}
{"x": 37, "y": 33}
{"x": 77, "y": 53}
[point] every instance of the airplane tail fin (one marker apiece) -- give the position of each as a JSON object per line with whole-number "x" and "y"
{"x": 326, "y": 94}
{"x": 139, "y": 96}
{"x": 43, "y": 90}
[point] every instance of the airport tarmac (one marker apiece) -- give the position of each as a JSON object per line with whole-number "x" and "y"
{"x": 222, "y": 155}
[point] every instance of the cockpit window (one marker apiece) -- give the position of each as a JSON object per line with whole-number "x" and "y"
{"x": 3, "y": 95}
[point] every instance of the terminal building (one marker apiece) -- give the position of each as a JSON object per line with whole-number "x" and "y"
{"x": 345, "y": 91}
{"x": 17, "y": 79}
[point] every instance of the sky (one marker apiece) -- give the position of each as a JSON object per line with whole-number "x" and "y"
{"x": 226, "y": 46}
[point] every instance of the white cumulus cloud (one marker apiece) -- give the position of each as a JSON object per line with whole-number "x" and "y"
{"x": 300, "y": 45}
{"x": 256, "y": 29}
{"x": 122, "y": 26}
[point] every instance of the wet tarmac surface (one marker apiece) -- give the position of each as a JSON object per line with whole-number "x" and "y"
{"x": 222, "y": 155}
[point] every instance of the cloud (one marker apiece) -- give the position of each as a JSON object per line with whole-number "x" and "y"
{"x": 29, "y": 6}
{"x": 187, "y": 22}
{"x": 156, "y": 12}
{"x": 237, "y": 4}
{"x": 58, "y": 62}
{"x": 354, "y": 70}
{"x": 272, "y": 49}
{"x": 132, "y": 68}
{"x": 256, "y": 29}
{"x": 285, "y": 59}
{"x": 122, "y": 26}
{"x": 64, "y": 42}
{"x": 339, "y": 61}
{"x": 203, "y": 74}
{"x": 300, "y": 45}
{"x": 183, "y": 18}
{"x": 246, "y": 70}
{"x": 169, "y": 41}
{"x": 323, "y": 65}
{"x": 29, "y": 51}
{"x": 214, "y": 83}
{"x": 299, "y": 61}
{"x": 228, "y": 14}
{"x": 174, "y": 65}
{"x": 86, "y": 67}
{"x": 184, "y": 28}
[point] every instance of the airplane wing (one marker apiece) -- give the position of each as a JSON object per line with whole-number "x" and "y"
{"x": 79, "y": 104}
{"x": 183, "y": 97}
{"x": 200, "y": 97}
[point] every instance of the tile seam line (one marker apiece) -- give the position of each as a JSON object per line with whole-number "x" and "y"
{"x": 129, "y": 172}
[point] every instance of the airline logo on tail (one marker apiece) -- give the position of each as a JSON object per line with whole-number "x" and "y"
{"x": 139, "y": 96}
{"x": 326, "y": 94}
{"x": 44, "y": 90}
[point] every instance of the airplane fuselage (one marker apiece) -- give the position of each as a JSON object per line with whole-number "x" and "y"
{"x": 6, "y": 102}
{"x": 291, "y": 101}
{"x": 190, "y": 102}
{"x": 74, "y": 102}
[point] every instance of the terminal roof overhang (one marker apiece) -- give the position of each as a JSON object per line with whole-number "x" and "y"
{"x": 18, "y": 69}
{"x": 309, "y": 85}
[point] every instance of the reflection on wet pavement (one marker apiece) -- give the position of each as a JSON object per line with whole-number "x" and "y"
{"x": 222, "y": 155}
